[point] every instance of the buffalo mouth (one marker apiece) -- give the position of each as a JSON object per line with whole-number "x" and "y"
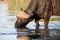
{"x": 22, "y": 23}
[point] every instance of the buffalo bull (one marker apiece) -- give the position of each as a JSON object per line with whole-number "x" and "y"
{"x": 38, "y": 9}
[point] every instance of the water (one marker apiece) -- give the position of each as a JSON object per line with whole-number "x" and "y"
{"x": 7, "y": 22}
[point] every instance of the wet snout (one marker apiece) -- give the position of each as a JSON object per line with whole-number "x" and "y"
{"x": 20, "y": 23}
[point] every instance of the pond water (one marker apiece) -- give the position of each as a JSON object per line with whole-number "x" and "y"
{"x": 7, "y": 22}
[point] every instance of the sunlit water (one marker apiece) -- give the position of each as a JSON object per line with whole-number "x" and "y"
{"x": 7, "y": 22}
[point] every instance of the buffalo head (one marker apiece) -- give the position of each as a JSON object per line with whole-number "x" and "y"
{"x": 22, "y": 19}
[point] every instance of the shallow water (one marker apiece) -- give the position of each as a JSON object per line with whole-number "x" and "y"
{"x": 7, "y": 22}
{"x": 7, "y": 30}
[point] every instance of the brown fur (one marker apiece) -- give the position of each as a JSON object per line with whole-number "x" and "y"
{"x": 41, "y": 9}
{"x": 22, "y": 15}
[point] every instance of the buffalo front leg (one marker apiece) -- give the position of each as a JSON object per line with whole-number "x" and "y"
{"x": 37, "y": 25}
{"x": 46, "y": 29}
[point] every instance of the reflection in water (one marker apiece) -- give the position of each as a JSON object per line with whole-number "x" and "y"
{"x": 7, "y": 27}
{"x": 7, "y": 21}
{"x": 24, "y": 35}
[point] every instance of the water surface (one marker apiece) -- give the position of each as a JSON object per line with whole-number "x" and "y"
{"x": 7, "y": 22}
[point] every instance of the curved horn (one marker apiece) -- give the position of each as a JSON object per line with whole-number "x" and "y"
{"x": 21, "y": 9}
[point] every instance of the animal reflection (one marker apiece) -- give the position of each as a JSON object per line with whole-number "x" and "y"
{"x": 23, "y": 37}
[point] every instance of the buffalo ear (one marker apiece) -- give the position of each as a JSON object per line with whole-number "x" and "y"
{"x": 21, "y": 9}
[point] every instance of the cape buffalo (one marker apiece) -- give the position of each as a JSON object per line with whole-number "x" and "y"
{"x": 38, "y": 9}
